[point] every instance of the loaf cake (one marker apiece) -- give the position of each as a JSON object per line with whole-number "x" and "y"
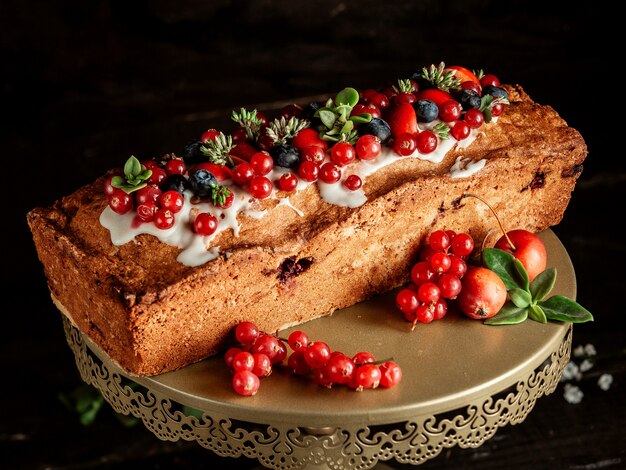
{"x": 157, "y": 299}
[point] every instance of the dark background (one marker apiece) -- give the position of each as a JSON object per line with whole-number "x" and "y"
{"x": 86, "y": 84}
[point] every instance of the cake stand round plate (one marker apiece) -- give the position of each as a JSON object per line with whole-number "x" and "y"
{"x": 462, "y": 380}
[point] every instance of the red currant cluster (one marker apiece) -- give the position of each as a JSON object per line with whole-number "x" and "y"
{"x": 436, "y": 277}
{"x": 258, "y": 352}
{"x": 154, "y": 202}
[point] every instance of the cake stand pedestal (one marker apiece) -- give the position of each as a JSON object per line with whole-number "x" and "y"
{"x": 462, "y": 381}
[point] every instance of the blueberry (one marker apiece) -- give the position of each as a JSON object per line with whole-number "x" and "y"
{"x": 426, "y": 110}
{"x": 308, "y": 112}
{"x": 201, "y": 182}
{"x": 176, "y": 183}
{"x": 495, "y": 91}
{"x": 192, "y": 153}
{"x": 469, "y": 99}
{"x": 377, "y": 127}
{"x": 285, "y": 155}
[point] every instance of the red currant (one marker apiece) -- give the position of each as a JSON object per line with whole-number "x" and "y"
{"x": 497, "y": 109}
{"x": 314, "y": 153}
{"x": 407, "y": 301}
{"x": 146, "y": 211}
{"x": 428, "y": 292}
{"x": 175, "y": 167}
{"x": 157, "y": 177}
{"x": 246, "y": 332}
{"x": 422, "y": 273}
{"x": 404, "y": 97}
{"x": 260, "y": 187}
{"x": 205, "y": 224}
{"x": 266, "y": 344}
{"x": 108, "y": 187}
{"x": 353, "y": 182}
{"x": 390, "y": 374}
{"x": 230, "y": 354}
{"x": 243, "y": 173}
{"x": 471, "y": 85}
{"x": 150, "y": 193}
{"x": 450, "y": 110}
{"x": 172, "y": 201}
{"x": 243, "y": 361}
{"x": 262, "y": 365}
{"x": 239, "y": 135}
{"x": 405, "y": 144}
{"x": 209, "y": 136}
{"x": 458, "y": 267}
{"x": 297, "y": 363}
{"x": 281, "y": 353}
{"x": 150, "y": 164}
{"x": 489, "y": 79}
{"x": 460, "y": 130}
{"x": 474, "y": 118}
{"x": 367, "y": 376}
{"x": 340, "y": 369}
{"x": 439, "y": 240}
{"x": 308, "y": 171}
{"x": 363, "y": 357}
{"x": 245, "y": 383}
{"x": 368, "y": 147}
{"x": 440, "y": 262}
{"x": 317, "y": 354}
{"x": 291, "y": 110}
{"x": 163, "y": 219}
{"x": 426, "y": 142}
{"x": 261, "y": 163}
{"x": 298, "y": 340}
{"x": 425, "y": 314}
{"x": 342, "y": 153}
{"x": 449, "y": 285}
{"x": 371, "y": 109}
{"x": 462, "y": 245}
{"x": 441, "y": 308}
{"x": 287, "y": 182}
{"x": 330, "y": 173}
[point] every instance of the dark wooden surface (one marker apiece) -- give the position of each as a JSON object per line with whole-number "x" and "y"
{"x": 86, "y": 84}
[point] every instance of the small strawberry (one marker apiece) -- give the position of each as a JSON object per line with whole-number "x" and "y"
{"x": 434, "y": 95}
{"x": 402, "y": 119}
{"x": 243, "y": 150}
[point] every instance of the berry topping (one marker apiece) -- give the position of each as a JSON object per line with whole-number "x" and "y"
{"x": 426, "y": 110}
{"x": 489, "y": 79}
{"x": 176, "y": 183}
{"x": 353, "y": 182}
{"x": 342, "y": 153}
{"x": 202, "y": 182}
{"x": 192, "y": 152}
{"x": 285, "y": 155}
{"x": 175, "y": 166}
{"x": 287, "y": 182}
{"x": 314, "y": 154}
{"x": 164, "y": 219}
{"x": 450, "y": 110}
{"x": 469, "y": 99}
{"x": 120, "y": 201}
{"x": 172, "y": 201}
{"x": 205, "y": 224}
{"x": 460, "y": 130}
{"x": 368, "y": 147}
{"x": 377, "y": 127}
{"x": 209, "y": 136}
{"x": 308, "y": 171}
{"x": 474, "y": 118}
{"x": 330, "y": 173}
{"x": 426, "y": 142}
{"x": 402, "y": 119}
{"x": 150, "y": 193}
{"x": 243, "y": 173}
{"x": 405, "y": 144}
{"x": 495, "y": 91}
{"x": 146, "y": 211}
{"x": 261, "y": 163}
{"x": 260, "y": 187}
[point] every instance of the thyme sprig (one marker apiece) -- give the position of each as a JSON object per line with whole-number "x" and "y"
{"x": 282, "y": 129}
{"x": 404, "y": 86}
{"x": 445, "y": 80}
{"x": 442, "y": 130}
{"x": 218, "y": 150}
{"x": 250, "y": 121}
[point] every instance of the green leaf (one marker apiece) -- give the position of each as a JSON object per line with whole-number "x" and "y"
{"x": 560, "y": 308}
{"x": 543, "y": 284}
{"x": 488, "y": 115}
{"x": 347, "y": 96}
{"x": 503, "y": 264}
{"x": 327, "y": 117}
{"x": 535, "y": 312}
{"x": 132, "y": 167}
{"x": 522, "y": 274}
{"x": 520, "y": 297}
{"x": 347, "y": 127}
{"x": 118, "y": 182}
{"x": 508, "y": 315}
{"x": 361, "y": 118}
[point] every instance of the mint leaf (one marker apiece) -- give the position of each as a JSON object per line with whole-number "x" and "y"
{"x": 348, "y": 96}
{"x": 543, "y": 284}
{"x": 560, "y": 308}
{"x": 327, "y": 117}
{"x": 522, "y": 274}
{"x": 132, "y": 167}
{"x": 535, "y": 312}
{"x": 520, "y": 297}
{"x": 503, "y": 264}
{"x": 361, "y": 118}
{"x": 508, "y": 315}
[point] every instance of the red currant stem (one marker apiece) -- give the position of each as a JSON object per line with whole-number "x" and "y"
{"x": 382, "y": 361}
{"x": 414, "y": 324}
{"x": 495, "y": 215}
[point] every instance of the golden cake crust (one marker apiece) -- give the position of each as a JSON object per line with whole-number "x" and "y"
{"x": 153, "y": 314}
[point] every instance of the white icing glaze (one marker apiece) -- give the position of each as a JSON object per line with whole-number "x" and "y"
{"x": 197, "y": 249}
{"x": 464, "y": 167}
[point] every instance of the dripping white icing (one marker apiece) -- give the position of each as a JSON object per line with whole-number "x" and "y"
{"x": 464, "y": 167}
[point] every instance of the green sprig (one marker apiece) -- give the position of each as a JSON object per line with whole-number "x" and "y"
{"x": 337, "y": 120}
{"x": 218, "y": 150}
{"x": 526, "y": 299}
{"x": 282, "y": 129}
{"x": 487, "y": 102}
{"x": 442, "y": 130}
{"x": 135, "y": 176}
{"x": 250, "y": 121}
{"x": 445, "y": 80}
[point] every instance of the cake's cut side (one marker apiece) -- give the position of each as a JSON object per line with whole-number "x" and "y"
{"x": 152, "y": 314}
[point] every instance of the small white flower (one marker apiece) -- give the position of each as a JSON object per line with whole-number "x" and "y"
{"x": 586, "y": 365}
{"x": 590, "y": 350}
{"x": 570, "y": 371}
{"x": 605, "y": 381}
{"x": 579, "y": 351}
{"x": 573, "y": 394}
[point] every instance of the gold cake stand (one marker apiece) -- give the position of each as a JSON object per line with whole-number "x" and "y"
{"x": 462, "y": 381}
